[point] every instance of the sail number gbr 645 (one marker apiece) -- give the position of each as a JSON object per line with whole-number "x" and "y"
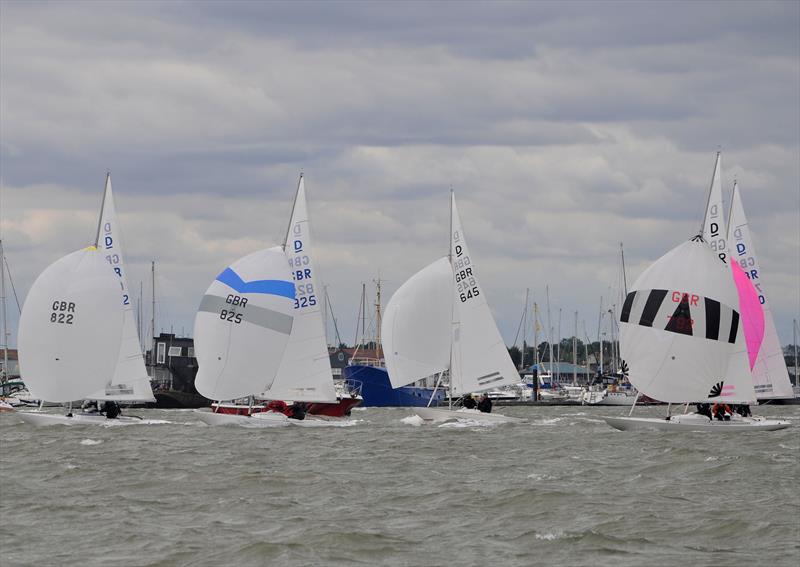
{"x": 466, "y": 285}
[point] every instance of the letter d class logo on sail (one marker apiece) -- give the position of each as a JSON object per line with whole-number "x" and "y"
{"x": 114, "y": 259}
{"x": 302, "y": 273}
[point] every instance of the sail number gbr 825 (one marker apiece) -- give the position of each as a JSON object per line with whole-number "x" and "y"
{"x": 230, "y": 314}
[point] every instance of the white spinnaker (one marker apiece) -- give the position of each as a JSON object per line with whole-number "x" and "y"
{"x": 70, "y": 328}
{"x": 416, "y": 325}
{"x": 770, "y": 375}
{"x": 130, "y": 382}
{"x": 714, "y": 220}
{"x": 305, "y": 372}
{"x": 674, "y": 367}
{"x": 243, "y": 325}
{"x": 480, "y": 358}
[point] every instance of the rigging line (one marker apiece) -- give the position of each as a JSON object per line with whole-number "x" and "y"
{"x": 335, "y": 325}
{"x": 519, "y": 327}
{"x": 11, "y": 281}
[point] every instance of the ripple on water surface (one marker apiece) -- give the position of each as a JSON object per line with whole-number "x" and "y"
{"x": 561, "y": 489}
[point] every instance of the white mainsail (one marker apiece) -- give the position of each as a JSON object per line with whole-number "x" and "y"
{"x": 680, "y": 335}
{"x": 416, "y": 325}
{"x": 480, "y": 358}
{"x": 305, "y": 372}
{"x": 129, "y": 382}
{"x": 70, "y": 328}
{"x": 440, "y": 319}
{"x": 714, "y": 219}
{"x": 243, "y": 325}
{"x": 770, "y": 375}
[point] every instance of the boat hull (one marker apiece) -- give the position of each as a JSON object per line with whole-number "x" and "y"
{"x": 341, "y": 408}
{"x": 441, "y": 415}
{"x": 692, "y": 423}
{"x": 42, "y": 419}
{"x": 377, "y": 391}
{"x": 258, "y": 420}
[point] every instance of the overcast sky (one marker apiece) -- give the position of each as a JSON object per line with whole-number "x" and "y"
{"x": 565, "y": 128}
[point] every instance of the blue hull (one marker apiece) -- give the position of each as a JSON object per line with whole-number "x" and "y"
{"x": 377, "y": 391}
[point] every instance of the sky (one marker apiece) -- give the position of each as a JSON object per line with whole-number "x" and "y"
{"x": 564, "y": 129}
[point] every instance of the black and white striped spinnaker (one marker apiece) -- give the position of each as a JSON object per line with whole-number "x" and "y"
{"x": 680, "y": 332}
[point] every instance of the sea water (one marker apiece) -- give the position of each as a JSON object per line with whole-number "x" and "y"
{"x": 562, "y": 489}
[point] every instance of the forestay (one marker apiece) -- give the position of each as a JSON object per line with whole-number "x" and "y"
{"x": 416, "y": 325}
{"x": 129, "y": 382}
{"x": 305, "y": 372}
{"x": 770, "y": 375}
{"x": 243, "y": 326}
{"x": 680, "y": 333}
{"x": 480, "y": 358}
{"x": 70, "y": 328}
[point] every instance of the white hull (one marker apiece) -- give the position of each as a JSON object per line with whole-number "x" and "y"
{"x": 694, "y": 422}
{"x": 321, "y": 421}
{"x": 440, "y": 415}
{"x": 41, "y": 419}
{"x": 615, "y": 399}
{"x": 259, "y": 420}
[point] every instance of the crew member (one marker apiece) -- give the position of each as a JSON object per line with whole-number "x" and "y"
{"x": 485, "y": 404}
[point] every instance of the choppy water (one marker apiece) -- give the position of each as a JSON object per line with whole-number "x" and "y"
{"x": 563, "y": 489}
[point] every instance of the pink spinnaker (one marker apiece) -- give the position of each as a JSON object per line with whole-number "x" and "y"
{"x": 752, "y": 312}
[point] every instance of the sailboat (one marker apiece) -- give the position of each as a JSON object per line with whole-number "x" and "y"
{"x": 305, "y": 374}
{"x": 770, "y": 375}
{"x": 241, "y": 332}
{"x": 70, "y": 331}
{"x": 130, "y": 382}
{"x": 439, "y": 322}
{"x": 60, "y": 369}
{"x": 696, "y": 348}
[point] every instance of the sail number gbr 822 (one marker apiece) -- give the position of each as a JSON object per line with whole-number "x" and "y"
{"x": 63, "y": 312}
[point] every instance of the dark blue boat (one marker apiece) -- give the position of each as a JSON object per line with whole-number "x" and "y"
{"x": 377, "y": 391}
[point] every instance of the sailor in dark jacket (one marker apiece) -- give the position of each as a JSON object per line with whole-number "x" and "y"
{"x": 468, "y": 401}
{"x": 485, "y": 405}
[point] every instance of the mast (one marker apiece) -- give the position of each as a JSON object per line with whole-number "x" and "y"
{"x": 794, "y": 333}
{"x": 153, "y": 319}
{"x": 536, "y": 336}
{"x": 575, "y": 352}
{"x": 141, "y": 312}
{"x": 3, "y": 307}
{"x": 325, "y": 311}
{"x": 558, "y": 349}
{"x": 599, "y": 336}
{"x": 452, "y": 305}
{"x": 378, "y": 345}
{"x": 550, "y": 333}
{"x": 363, "y": 314}
{"x": 102, "y": 208}
{"x": 524, "y": 328}
{"x": 624, "y": 275}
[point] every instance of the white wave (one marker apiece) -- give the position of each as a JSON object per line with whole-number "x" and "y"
{"x": 414, "y": 420}
{"x": 537, "y": 476}
{"x": 548, "y": 421}
{"x": 549, "y": 536}
{"x": 91, "y": 442}
{"x": 463, "y": 423}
